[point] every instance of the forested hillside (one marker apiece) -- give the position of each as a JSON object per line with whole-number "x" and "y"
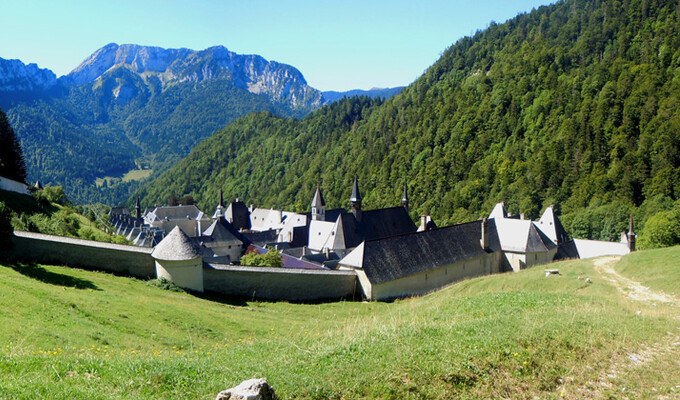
{"x": 575, "y": 104}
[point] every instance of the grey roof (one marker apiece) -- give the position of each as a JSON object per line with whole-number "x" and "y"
{"x": 318, "y": 200}
{"x": 375, "y": 224}
{"x": 176, "y": 247}
{"x": 400, "y": 256}
{"x": 261, "y": 238}
{"x": 175, "y": 212}
{"x": 522, "y": 236}
{"x": 567, "y": 250}
{"x": 356, "y": 196}
{"x": 551, "y": 226}
{"x": 238, "y": 214}
{"x": 222, "y": 231}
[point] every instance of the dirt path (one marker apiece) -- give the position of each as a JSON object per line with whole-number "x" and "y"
{"x": 667, "y": 347}
{"x": 635, "y": 290}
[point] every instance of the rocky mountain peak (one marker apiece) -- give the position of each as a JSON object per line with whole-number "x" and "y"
{"x": 280, "y": 82}
{"x": 15, "y": 76}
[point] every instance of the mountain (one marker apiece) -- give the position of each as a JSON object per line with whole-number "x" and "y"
{"x": 385, "y": 93}
{"x": 128, "y": 107}
{"x": 576, "y": 104}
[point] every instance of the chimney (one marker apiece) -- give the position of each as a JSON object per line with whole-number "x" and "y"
{"x": 631, "y": 235}
{"x": 521, "y": 216}
{"x": 485, "y": 234}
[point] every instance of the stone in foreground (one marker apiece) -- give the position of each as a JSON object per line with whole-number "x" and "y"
{"x": 252, "y": 389}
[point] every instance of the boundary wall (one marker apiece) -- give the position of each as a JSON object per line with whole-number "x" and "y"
{"x": 270, "y": 283}
{"x": 116, "y": 258}
{"x": 13, "y": 186}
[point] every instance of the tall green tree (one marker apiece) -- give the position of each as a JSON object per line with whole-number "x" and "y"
{"x": 12, "y": 164}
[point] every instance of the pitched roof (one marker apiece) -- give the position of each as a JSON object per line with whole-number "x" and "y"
{"x": 222, "y": 231}
{"x": 376, "y": 224}
{"x": 522, "y": 236}
{"x": 176, "y": 247}
{"x": 287, "y": 260}
{"x": 261, "y": 238}
{"x": 551, "y": 226}
{"x": 399, "y": 256}
{"x": 175, "y": 212}
{"x": 498, "y": 211}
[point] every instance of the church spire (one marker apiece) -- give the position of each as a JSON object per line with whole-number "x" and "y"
{"x": 355, "y": 200}
{"x": 221, "y": 198}
{"x": 219, "y": 210}
{"x": 404, "y": 197}
{"x": 138, "y": 210}
{"x": 318, "y": 206}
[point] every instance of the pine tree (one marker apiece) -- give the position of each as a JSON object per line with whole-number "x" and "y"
{"x": 12, "y": 164}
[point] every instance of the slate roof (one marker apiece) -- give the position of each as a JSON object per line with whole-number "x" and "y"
{"x": 176, "y": 247}
{"x": 376, "y": 224}
{"x": 261, "y": 238}
{"x": 400, "y": 256}
{"x": 567, "y": 250}
{"x": 175, "y": 212}
{"x": 222, "y": 231}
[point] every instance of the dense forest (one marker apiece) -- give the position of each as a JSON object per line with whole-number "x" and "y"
{"x": 575, "y": 104}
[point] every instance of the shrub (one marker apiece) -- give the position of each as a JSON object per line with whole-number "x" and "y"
{"x": 661, "y": 230}
{"x": 271, "y": 259}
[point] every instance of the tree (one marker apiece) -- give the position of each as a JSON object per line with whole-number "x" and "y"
{"x": 187, "y": 201}
{"x": 6, "y": 230}
{"x": 271, "y": 259}
{"x": 661, "y": 230}
{"x": 173, "y": 200}
{"x": 12, "y": 164}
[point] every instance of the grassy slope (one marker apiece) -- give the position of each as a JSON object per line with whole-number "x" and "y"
{"x": 658, "y": 269}
{"x": 67, "y": 333}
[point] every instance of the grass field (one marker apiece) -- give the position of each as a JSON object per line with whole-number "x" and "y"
{"x": 68, "y": 333}
{"x": 132, "y": 175}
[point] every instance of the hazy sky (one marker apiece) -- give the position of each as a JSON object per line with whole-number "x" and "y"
{"x": 338, "y": 45}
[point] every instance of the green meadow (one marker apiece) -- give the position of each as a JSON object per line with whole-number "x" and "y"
{"x": 69, "y": 333}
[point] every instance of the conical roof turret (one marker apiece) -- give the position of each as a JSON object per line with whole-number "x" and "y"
{"x": 176, "y": 247}
{"x": 318, "y": 200}
{"x": 356, "y": 196}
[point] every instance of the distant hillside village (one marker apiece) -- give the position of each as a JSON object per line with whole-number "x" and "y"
{"x": 390, "y": 255}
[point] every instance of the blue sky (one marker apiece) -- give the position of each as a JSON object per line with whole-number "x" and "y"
{"x": 338, "y": 45}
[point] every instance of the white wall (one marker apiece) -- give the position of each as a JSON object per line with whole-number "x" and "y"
{"x": 425, "y": 282}
{"x": 597, "y": 248}
{"x": 185, "y": 274}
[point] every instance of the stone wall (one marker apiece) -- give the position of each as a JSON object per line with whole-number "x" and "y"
{"x": 116, "y": 258}
{"x": 13, "y": 186}
{"x": 428, "y": 281}
{"x": 280, "y": 284}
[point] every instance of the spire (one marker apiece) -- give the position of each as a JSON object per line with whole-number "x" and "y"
{"x": 219, "y": 210}
{"x": 355, "y": 200}
{"x": 356, "y": 196}
{"x": 318, "y": 206}
{"x": 138, "y": 210}
{"x": 221, "y": 198}
{"x": 318, "y": 200}
{"x": 631, "y": 235}
{"x": 404, "y": 198}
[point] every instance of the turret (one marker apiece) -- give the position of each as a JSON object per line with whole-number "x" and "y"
{"x": 318, "y": 206}
{"x": 138, "y": 210}
{"x": 404, "y": 198}
{"x": 355, "y": 200}
{"x": 219, "y": 210}
{"x": 631, "y": 235}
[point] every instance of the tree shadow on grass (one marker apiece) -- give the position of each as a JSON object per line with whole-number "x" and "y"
{"x": 35, "y": 271}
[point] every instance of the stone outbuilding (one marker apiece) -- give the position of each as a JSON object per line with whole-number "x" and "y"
{"x": 179, "y": 260}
